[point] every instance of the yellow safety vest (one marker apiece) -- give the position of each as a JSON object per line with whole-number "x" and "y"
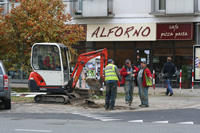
{"x": 110, "y": 73}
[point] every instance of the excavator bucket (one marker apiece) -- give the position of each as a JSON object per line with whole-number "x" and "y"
{"x": 79, "y": 96}
{"x": 77, "y": 101}
{"x": 94, "y": 85}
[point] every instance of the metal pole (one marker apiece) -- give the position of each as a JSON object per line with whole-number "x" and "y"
{"x": 197, "y": 33}
{"x": 154, "y": 79}
{"x": 192, "y": 79}
{"x": 180, "y": 78}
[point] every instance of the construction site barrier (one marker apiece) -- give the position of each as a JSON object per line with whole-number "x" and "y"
{"x": 154, "y": 79}
{"x": 180, "y": 77}
{"x": 192, "y": 79}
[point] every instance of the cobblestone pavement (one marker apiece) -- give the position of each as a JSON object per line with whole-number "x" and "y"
{"x": 185, "y": 98}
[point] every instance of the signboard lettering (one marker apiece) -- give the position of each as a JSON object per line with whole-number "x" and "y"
{"x": 121, "y": 32}
{"x": 177, "y": 31}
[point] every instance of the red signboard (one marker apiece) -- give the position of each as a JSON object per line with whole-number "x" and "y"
{"x": 175, "y": 31}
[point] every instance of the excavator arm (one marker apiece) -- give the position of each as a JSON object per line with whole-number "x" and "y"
{"x": 83, "y": 59}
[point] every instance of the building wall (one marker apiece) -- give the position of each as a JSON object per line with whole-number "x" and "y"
{"x": 140, "y": 11}
{"x": 135, "y": 11}
{"x": 132, "y": 12}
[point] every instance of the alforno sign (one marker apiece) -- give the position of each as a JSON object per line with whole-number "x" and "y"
{"x": 121, "y": 32}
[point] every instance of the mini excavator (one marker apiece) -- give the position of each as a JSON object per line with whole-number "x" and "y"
{"x": 51, "y": 72}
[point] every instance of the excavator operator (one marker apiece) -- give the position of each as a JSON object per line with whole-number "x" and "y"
{"x": 49, "y": 61}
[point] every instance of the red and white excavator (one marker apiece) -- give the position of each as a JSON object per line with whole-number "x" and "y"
{"x": 51, "y": 71}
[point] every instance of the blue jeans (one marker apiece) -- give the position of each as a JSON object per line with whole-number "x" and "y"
{"x": 111, "y": 91}
{"x": 128, "y": 89}
{"x": 169, "y": 88}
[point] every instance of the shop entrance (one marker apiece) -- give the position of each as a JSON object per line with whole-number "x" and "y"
{"x": 143, "y": 55}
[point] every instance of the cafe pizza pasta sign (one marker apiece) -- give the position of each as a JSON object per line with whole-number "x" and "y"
{"x": 121, "y": 32}
{"x": 175, "y": 31}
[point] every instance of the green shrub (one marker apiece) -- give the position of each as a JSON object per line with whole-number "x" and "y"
{"x": 185, "y": 74}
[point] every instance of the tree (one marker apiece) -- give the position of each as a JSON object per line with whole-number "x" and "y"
{"x": 35, "y": 21}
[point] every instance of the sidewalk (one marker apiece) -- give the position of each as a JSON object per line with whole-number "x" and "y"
{"x": 19, "y": 85}
{"x": 184, "y": 98}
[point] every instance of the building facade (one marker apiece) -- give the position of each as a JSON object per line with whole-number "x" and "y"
{"x": 149, "y": 30}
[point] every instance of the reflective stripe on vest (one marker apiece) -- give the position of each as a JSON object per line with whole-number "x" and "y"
{"x": 110, "y": 73}
{"x": 50, "y": 62}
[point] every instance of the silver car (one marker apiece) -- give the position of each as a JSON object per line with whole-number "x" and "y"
{"x": 5, "y": 87}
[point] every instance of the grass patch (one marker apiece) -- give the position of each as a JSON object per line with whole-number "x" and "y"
{"x": 20, "y": 89}
{"x": 22, "y": 99}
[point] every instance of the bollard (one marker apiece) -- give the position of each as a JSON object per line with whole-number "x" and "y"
{"x": 154, "y": 79}
{"x": 180, "y": 77}
{"x": 192, "y": 79}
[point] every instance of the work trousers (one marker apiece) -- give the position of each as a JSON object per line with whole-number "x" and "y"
{"x": 111, "y": 92}
{"x": 143, "y": 93}
{"x": 128, "y": 89}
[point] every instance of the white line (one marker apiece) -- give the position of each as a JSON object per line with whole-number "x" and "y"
{"x": 136, "y": 121}
{"x": 109, "y": 119}
{"x": 189, "y": 122}
{"x": 160, "y": 122}
{"x": 29, "y": 130}
{"x": 90, "y": 115}
{"x": 102, "y": 118}
{"x": 94, "y": 116}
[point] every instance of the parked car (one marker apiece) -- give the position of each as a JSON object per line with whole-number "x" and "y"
{"x": 5, "y": 87}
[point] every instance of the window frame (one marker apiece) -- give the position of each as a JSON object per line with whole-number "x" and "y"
{"x": 5, "y": 6}
{"x": 157, "y": 6}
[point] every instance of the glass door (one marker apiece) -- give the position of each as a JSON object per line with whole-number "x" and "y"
{"x": 143, "y": 55}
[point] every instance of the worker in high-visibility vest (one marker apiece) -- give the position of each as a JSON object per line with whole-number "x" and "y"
{"x": 111, "y": 78}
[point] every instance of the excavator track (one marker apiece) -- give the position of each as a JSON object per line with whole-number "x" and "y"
{"x": 71, "y": 98}
{"x": 51, "y": 99}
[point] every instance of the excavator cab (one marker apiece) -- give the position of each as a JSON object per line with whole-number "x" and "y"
{"x": 51, "y": 70}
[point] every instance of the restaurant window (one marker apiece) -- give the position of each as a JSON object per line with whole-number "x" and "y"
{"x": 124, "y": 45}
{"x": 162, "y": 44}
{"x": 108, "y": 45}
{"x": 183, "y": 56}
{"x": 143, "y": 44}
{"x": 111, "y": 54}
{"x": 184, "y": 43}
{"x": 122, "y": 54}
{"x": 104, "y": 45}
{"x": 159, "y": 59}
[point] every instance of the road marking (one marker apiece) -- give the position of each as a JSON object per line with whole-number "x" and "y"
{"x": 102, "y": 118}
{"x": 189, "y": 122}
{"x": 91, "y": 116}
{"x": 76, "y": 113}
{"x": 136, "y": 121}
{"x": 160, "y": 122}
{"x": 109, "y": 119}
{"x": 86, "y": 115}
{"x": 98, "y": 117}
{"x": 30, "y": 130}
